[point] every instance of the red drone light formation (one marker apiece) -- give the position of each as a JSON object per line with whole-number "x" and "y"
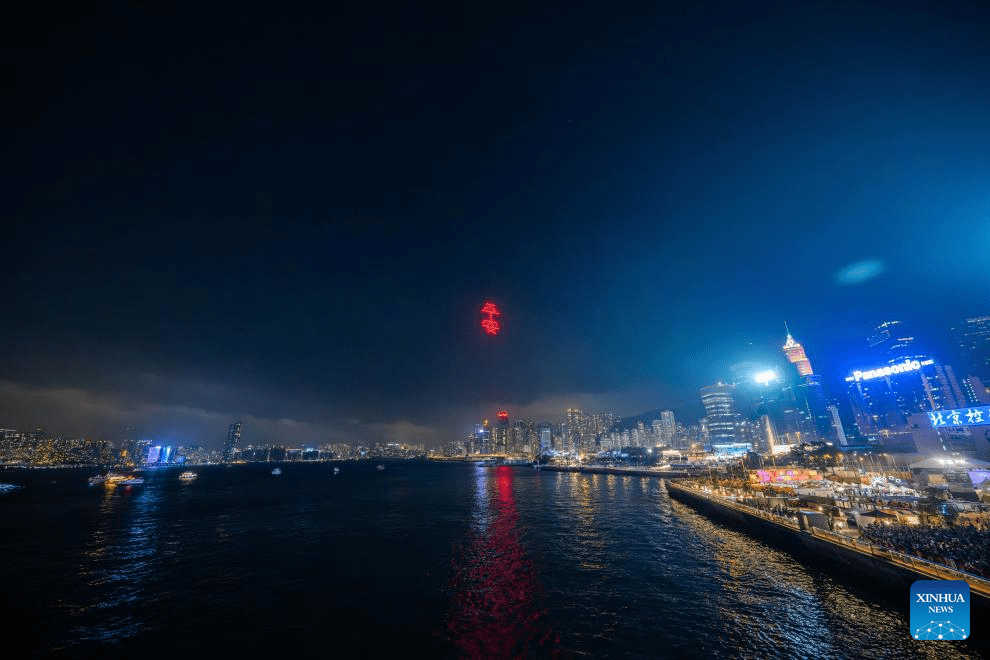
{"x": 503, "y": 414}
{"x": 490, "y": 324}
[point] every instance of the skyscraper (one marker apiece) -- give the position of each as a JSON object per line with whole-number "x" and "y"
{"x": 546, "y": 438}
{"x": 502, "y": 432}
{"x": 668, "y": 428}
{"x": 575, "y": 428}
{"x": 892, "y": 340}
{"x": 795, "y": 355}
{"x": 720, "y": 412}
{"x": 840, "y": 434}
{"x": 973, "y": 338}
{"x": 233, "y": 439}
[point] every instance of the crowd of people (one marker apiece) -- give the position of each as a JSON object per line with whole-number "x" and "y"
{"x": 965, "y": 547}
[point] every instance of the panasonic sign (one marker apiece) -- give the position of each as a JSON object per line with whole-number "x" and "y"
{"x": 892, "y": 370}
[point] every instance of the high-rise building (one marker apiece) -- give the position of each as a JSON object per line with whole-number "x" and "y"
{"x": 546, "y": 438}
{"x": 575, "y": 429}
{"x": 501, "y": 432}
{"x": 523, "y": 439}
{"x": 767, "y": 439}
{"x": 667, "y": 428}
{"x": 893, "y": 341}
{"x": 973, "y": 338}
{"x": 795, "y": 355}
{"x": 884, "y": 397}
{"x": 720, "y": 412}
{"x": 233, "y": 440}
{"x": 976, "y": 392}
{"x": 840, "y": 434}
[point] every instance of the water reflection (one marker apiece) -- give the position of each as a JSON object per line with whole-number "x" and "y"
{"x": 768, "y": 600}
{"x": 495, "y": 593}
{"x": 115, "y": 564}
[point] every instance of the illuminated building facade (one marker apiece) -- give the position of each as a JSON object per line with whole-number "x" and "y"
{"x": 839, "y": 432}
{"x": 233, "y": 440}
{"x": 893, "y": 341}
{"x": 883, "y": 397}
{"x": 501, "y": 432}
{"x": 667, "y": 429}
{"x": 546, "y": 438}
{"x": 973, "y": 338}
{"x": 576, "y": 431}
{"x": 720, "y": 412}
{"x": 795, "y": 355}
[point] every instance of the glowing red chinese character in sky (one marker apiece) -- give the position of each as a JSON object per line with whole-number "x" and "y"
{"x": 490, "y": 324}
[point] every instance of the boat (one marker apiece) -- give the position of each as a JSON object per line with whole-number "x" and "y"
{"x": 114, "y": 479}
{"x": 336, "y": 470}
{"x": 537, "y": 466}
{"x": 9, "y": 488}
{"x": 277, "y": 471}
{"x": 487, "y": 463}
{"x": 187, "y": 476}
{"x": 379, "y": 467}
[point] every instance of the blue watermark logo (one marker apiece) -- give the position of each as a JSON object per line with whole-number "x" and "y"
{"x": 940, "y": 609}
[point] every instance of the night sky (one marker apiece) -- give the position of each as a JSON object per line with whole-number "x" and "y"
{"x": 292, "y": 218}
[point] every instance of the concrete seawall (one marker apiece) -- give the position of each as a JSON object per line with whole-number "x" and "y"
{"x": 894, "y": 569}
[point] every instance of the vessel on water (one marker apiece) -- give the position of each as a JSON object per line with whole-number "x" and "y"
{"x": 336, "y": 470}
{"x": 115, "y": 479}
{"x": 379, "y": 467}
{"x": 277, "y": 471}
{"x": 187, "y": 476}
{"x": 9, "y": 488}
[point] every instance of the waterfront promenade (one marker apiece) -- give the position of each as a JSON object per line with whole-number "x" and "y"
{"x": 634, "y": 471}
{"x": 825, "y": 542}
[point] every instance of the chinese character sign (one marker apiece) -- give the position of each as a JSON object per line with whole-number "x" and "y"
{"x": 490, "y": 324}
{"x": 960, "y": 417}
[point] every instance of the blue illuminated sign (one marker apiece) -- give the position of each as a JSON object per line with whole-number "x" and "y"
{"x": 892, "y": 370}
{"x": 960, "y": 417}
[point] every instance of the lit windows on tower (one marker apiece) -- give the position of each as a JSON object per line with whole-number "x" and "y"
{"x": 795, "y": 355}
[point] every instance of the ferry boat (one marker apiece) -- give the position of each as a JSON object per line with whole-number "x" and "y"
{"x": 379, "y": 467}
{"x": 8, "y": 488}
{"x": 187, "y": 476}
{"x": 336, "y": 470}
{"x": 115, "y": 479}
{"x": 277, "y": 471}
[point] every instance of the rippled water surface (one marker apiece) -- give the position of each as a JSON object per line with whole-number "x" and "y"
{"x": 417, "y": 560}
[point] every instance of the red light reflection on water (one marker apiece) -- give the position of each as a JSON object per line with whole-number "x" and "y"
{"x": 496, "y": 594}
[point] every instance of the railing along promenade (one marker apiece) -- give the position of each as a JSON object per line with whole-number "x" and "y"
{"x": 919, "y": 565}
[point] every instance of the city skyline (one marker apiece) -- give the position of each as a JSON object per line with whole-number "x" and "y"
{"x": 294, "y": 223}
{"x": 718, "y": 413}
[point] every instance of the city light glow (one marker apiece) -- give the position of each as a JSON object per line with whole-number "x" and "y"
{"x": 765, "y": 377}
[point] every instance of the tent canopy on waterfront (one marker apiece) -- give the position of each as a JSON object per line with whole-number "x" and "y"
{"x": 876, "y": 514}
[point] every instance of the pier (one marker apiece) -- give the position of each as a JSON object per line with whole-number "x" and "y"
{"x": 895, "y": 567}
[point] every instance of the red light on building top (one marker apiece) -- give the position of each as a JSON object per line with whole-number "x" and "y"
{"x": 490, "y": 324}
